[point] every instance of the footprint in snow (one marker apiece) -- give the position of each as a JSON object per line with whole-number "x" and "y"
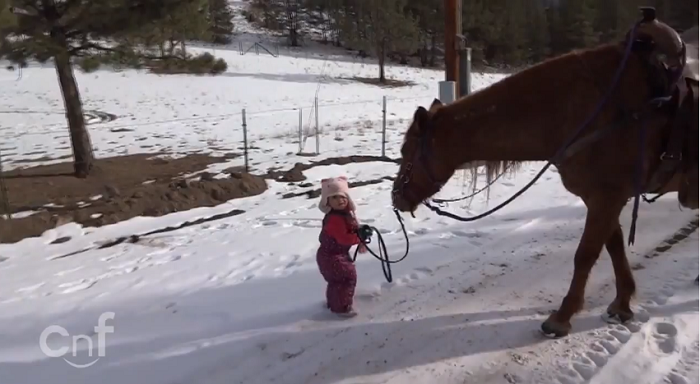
{"x": 665, "y": 336}
{"x": 421, "y": 231}
{"x": 30, "y": 288}
{"x": 473, "y": 235}
{"x": 307, "y": 224}
{"x": 293, "y": 263}
{"x": 75, "y": 286}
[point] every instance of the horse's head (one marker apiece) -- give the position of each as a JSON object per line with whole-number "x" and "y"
{"x": 424, "y": 168}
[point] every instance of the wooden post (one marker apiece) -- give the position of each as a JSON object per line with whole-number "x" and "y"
{"x": 245, "y": 141}
{"x": 384, "y": 126}
{"x": 318, "y": 143}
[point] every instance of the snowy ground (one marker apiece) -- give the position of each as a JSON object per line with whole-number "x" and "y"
{"x": 183, "y": 114}
{"x": 239, "y": 300}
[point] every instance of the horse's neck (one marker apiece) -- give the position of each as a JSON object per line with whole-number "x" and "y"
{"x": 526, "y": 116}
{"x": 499, "y": 125}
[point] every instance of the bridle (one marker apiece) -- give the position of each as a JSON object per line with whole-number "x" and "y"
{"x": 404, "y": 177}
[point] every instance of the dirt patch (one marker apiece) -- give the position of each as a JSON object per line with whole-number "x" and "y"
{"x": 119, "y": 188}
{"x": 388, "y": 83}
{"x": 296, "y": 173}
{"x": 314, "y": 193}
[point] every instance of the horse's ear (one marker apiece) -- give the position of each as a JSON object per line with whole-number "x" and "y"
{"x": 435, "y": 105}
{"x": 421, "y": 118}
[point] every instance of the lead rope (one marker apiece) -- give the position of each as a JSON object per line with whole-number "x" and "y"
{"x": 365, "y": 234}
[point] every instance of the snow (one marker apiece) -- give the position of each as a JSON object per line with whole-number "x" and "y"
{"x": 240, "y": 300}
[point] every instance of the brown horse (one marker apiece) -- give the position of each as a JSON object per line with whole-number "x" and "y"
{"x": 528, "y": 116}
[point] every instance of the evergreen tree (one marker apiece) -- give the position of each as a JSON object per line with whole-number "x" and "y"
{"x": 91, "y": 31}
{"x": 578, "y": 19}
{"x": 538, "y": 37}
{"x": 382, "y": 26}
{"x": 171, "y": 33}
{"x": 220, "y": 21}
{"x": 6, "y": 17}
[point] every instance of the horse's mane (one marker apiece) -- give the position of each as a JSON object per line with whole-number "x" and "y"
{"x": 511, "y": 87}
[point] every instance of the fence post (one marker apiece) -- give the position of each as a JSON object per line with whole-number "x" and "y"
{"x": 384, "y": 126}
{"x": 5, "y": 212}
{"x": 301, "y": 131}
{"x": 245, "y": 141}
{"x": 318, "y": 144}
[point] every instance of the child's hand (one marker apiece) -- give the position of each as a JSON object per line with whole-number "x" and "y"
{"x": 362, "y": 248}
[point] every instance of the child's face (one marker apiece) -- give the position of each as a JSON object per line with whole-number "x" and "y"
{"x": 338, "y": 202}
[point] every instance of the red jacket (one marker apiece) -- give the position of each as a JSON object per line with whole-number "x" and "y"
{"x": 338, "y": 227}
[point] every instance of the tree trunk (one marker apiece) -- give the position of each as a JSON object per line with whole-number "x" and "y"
{"x": 424, "y": 55}
{"x": 293, "y": 38}
{"x": 381, "y": 54}
{"x": 433, "y": 50}
{"x": 183, "y": 48}
{"x": 80, "y": 139}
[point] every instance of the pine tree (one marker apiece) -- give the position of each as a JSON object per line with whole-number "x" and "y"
{"x": 89, "y": 31}
{"x": 538, "y": 37}
{"x": 220, "y": 21}
{"x": 382, "y": 26}
{"x": 6, "y": 17}
{"x": 579, "y": 18}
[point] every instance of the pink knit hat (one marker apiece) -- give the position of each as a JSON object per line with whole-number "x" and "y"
{"x": 331, "y": 187}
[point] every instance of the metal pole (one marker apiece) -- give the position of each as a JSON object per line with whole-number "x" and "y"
{"x": 245, "y": 141}
{"x": 468, "y": 65}
{"x": 318, "y": 139}
{"x": 447, "y": 91}
{"x": 384, "y": 126}
{"x": 465, "y": 69}
{"x": 451, "y": 31}
{"x": 301, "y": 133}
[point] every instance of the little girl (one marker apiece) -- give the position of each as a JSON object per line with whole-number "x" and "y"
{"x": 338, "y": 235}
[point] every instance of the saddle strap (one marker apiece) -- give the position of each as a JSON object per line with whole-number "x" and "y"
{"x": 672, "y": 157}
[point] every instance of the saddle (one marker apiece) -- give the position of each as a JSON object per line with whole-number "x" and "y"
{"x": 676, "y": 57}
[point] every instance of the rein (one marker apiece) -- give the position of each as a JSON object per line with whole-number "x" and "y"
{"x": 560, "y": 155}
{"x": 365, "y": 235}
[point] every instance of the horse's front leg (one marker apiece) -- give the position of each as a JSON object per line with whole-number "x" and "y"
{"x": 601, "y": 221}
{"x": 619, "y": 310}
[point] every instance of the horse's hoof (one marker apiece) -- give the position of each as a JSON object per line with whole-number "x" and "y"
{"x": 617, "y": 316}
{"x": 554, "y": 329}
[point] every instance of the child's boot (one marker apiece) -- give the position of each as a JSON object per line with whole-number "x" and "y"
{"x": 349, "y": 313}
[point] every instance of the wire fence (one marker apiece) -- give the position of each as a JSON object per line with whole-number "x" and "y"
{"x": 341, "y": 128}
{"x": 263, "y": 136}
